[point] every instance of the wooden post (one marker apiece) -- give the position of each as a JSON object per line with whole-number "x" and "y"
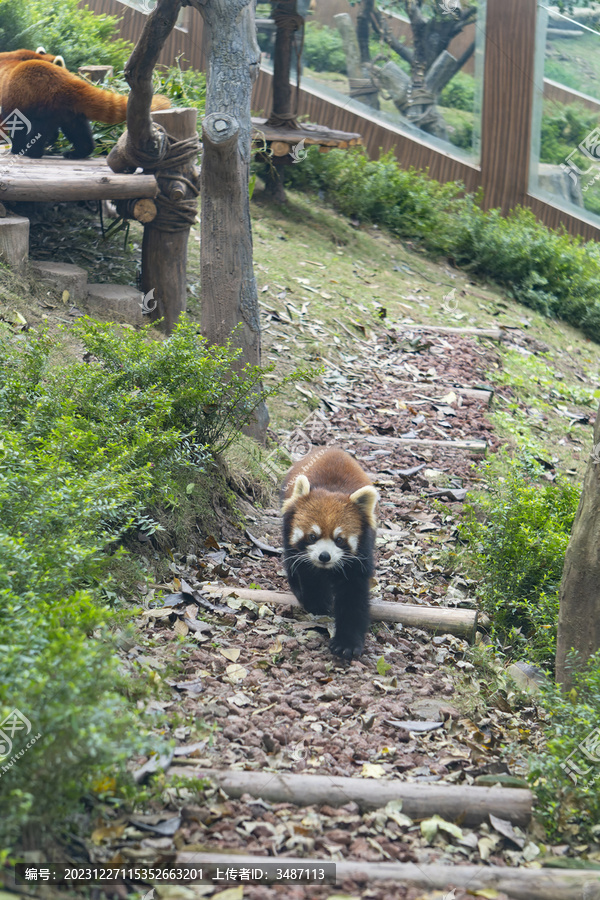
{"x": 229, "y": 295}
{"x": 288, "y": 21}
{"x": 507, "y": 102}
{"x": 164, "y": 246}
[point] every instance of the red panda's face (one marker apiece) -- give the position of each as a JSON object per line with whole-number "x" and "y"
{"x": 325, "y": 527}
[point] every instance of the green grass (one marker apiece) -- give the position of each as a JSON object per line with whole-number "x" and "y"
{"x": 575, "y": 62}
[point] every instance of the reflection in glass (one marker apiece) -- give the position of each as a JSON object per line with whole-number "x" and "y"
{"x": 415, "y": 64}
{"x": 565, "y": 157}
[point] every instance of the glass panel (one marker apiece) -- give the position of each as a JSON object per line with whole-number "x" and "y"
{"x": 366, "y": 58}
{"x": 146, "y": 7}
{"x": 565, "y": 146}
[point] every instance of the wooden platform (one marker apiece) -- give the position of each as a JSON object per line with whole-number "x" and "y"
{"x": 53, "y": 178}
{"x": 283, "y": 140}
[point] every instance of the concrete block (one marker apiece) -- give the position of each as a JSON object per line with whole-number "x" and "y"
{"x": 14, "y": 242}
{"x": 115, "y": 302}
{"x": 62, "y": 277}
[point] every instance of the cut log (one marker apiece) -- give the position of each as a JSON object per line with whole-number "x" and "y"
{"x": 14, "y": 242}
{"x": 345, "y": 27}
{"x": 462, "y": 803}
{"x": 395, "y": 81}
{"x": 359, "y": 77}
{"x": 473, "y": 446}
{"x": 436, "y": 387}
{"x": 279, "y": 148}
{"x": 519, "y": 884}
{"x": 50, "y": 179}
{"x": 143, "y": 211}
{"x": 440, "y": 619}
{"x": 97, "y": 74}
{"x": 440, "y": 73}
{"x": 497, "y": 334}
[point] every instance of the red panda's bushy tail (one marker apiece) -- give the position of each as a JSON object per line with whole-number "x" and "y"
{"x": 36, "y": 84}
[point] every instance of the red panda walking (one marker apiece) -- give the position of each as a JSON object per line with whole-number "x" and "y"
{"x": 329, "y": 538}
{"x": 51, "y": 97}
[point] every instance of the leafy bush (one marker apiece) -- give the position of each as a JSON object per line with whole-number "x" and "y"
{"x": 323, "y": 49}
{"x": 563, "y": 776}
{"x": 88, "y": 452}
{"x": 517, "y": 534}
{"x": 563, "y": 129}
{"x": 547, "y": 270}
{"x": 80, "y": 35}
{"x": 459, "y": 93}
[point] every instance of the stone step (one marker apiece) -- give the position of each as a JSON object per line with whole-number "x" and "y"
{"x": 62, "y": 277}
{"x": 14, "y": 242}
{"x": 116, "y": 303}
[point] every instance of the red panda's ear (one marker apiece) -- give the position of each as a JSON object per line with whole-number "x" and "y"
{"x": 59, "y": 61}
{"x": 41, "y": 50}
{"x": 301, "y": 489}
{"x": 366, "y": 499}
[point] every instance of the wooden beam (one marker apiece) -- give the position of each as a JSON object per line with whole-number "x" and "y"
{"x": 464, "y": 804}
{"x": 440, "y": 619}
{"x": 518, "y": 883}
{"x": 50, "y": 179}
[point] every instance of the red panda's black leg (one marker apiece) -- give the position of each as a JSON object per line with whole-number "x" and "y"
{"x": 351, "y": 618}
{"x": 311, "y": 588}
{"x": 77, "y": 129}
{"x": 32, "y": 143}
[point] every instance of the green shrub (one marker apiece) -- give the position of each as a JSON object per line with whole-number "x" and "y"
{"x": 565, "y": 777}
{"x": 517, "y": 534}
{"x": 63, "y": 27}
{"x": 547, "y": 270}
{"x": 323, "y": 49}
{"x": 459, "y": 93}
{"x": 87, "y": 453}
{"x": 564, "y": 127}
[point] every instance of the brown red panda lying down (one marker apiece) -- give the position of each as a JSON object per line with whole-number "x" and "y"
{"x": 329, "y": 538}
{"x": 37, "y": 85}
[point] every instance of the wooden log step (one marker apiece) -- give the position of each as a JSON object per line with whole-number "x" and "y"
{"x": 461, "y": 803}
{"x": 439, "y": 619}
{"x": 473, "y": 446}
{"x": 517, "y": 883}
{"x": 497, "y": 334}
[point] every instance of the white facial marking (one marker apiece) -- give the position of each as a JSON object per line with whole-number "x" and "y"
{"x": 314, "y": 529}
{"x": 337, "y": 531}
{"x": 353, "y": 543}
{"x": 326, "y": 548}
{"x": 297, "y": 535}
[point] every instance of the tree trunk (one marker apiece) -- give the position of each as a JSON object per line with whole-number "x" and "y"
{"x": 171, "y": 155}
{"x": 579, "y": 616}
{"x": 165, "y": 241}
{"x": 288, "y": 22}
{"x": 363, "y": 28}
{"x": 361, "y": 83}
{"x": 229, "y": 295}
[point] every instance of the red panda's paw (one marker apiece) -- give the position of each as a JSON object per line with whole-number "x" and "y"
{"x": 348, "y": 647}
